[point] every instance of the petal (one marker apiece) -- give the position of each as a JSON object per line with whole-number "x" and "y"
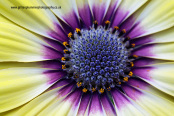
{"x": 20, "y": 85}
{"x": 43, "y": 101}
{"x": 95, "y": 106}
{"x": 151, "y": 103}
{"x": 84, "y": 12}
{"x": 160, "y": 37}
{"x": 99, "y": 9}
{"x": 111, "y": 10}
{"x": 160, "y": 76}
{"x": 142, "y": 62}
{"x": 159, "y": 51}
{"x": 17, "y": 44}
{"x": 85, "y": 100}
{"x": 38, "y": 20}
{"x": 50, "y": 64}
{"x": 139, "y": 83}
{"x": 125, "y": 9}
{"x": 125, "y": 106}
{"x": 67, "y": 12}
{"x": 154, "y": 17}
{"x": 107, "y": 105}
{"x": 64, "y": 106}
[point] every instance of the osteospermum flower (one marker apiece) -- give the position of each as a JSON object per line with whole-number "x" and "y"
{"x": 87, "y": 57}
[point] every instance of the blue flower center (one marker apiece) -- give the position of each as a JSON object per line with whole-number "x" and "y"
{"x": 98, "y": 59}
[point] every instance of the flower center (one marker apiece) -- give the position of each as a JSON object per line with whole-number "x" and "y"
{"x": 97, "y": 59}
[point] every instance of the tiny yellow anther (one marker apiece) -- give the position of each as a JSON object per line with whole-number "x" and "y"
{"x": 133, "y": 45}
{"x": 135, "y": 56}
{"x": 125, "y": 79}
{"x": 132, "y": 64}
{"x": 101, "y": 90}
{"x": 84, "y": 90}
{"x": 95, "y": 22}
{"x": 63, "y": 59}
{"x": 119, "y": 83}
{"x": 79, "y": 84}
{"x": 109, "y": 88}
{"x": 77, "y": 30}
{"x": 107, "y": 22}
{"x": 76, "y": 76}
{"x": 65, "y": 50}
{"x": 93, "y": 89}
{"x": 70, "y": 34}
{"x": 65, "y": 43}
{"x": 124, "y": 30}
{"x": 63, "y": 67}
{"x": 130, "y": 73}
{"x": 116, "y": 27}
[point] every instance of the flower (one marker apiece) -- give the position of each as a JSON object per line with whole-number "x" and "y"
{"x": 86, "y": 57}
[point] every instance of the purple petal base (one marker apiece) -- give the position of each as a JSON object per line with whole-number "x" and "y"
{"x": 119, "y": 16}
{"x": 84, "y": 104}
{"x": 120, "y": 99}
{"x": 142, "y": 40}
{"x": 54, "y": 75}
{"x": 136, "y": 31}
{"x": 145, "y": 51}
{"x": 51, "y": 64}
{"x": 139, "y": 83}
{"x": 85, "y": 15}
{"x": 54, "y": 44}
{"x": 132, "y": 92}
{"x": 143, "y": 72}
{"x": 108, "y": 106}
{"x": 143, "y": 62}
{"x": 50, "y": 53}
{"x": 110, "y": 11}
{"x": 98, "y": 13}
{"x": 72, "y": 20}
{"x": 95, "y": 105}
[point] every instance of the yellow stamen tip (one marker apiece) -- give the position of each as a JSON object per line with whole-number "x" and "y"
{"x": 84, "y": 90}
{"x": 125, "y": 79}
{"x": 116, "y": 27}
{"x": 65, "y": 50}
{"x": 79, "y": 84}
{"x": 130, "y": 73}
{"x": 93, "y": 89}
{"x": 124, "y": 30}
{"x": 109, "y": 88}
{"x": 101, "y": 90}
{"x": 65, "y": 43}
{"x": 95, "y": 22}
{"x": 132, "y": 64}
{"x": 76, "y": 76}
{"x": 133, "y": 45}
{"x": 107, "y": 22}
{"x": 63, "y": 59}
{"x": 70, "y": 34}
{"x": 63, "y": 67}
{"x": 77, "y": 30}
{"x": 119, "y": 83}
{"x": 135, "y": 56}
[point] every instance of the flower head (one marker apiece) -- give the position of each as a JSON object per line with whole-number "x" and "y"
{"x": 86, "y": 57}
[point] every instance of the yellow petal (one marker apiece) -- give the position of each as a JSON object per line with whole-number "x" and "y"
{"x": 126, "y": 9}
{"x": 155, "y": 105}
{"x": 125, "y": 106}
{"x": 67, "y": 11}
{"x": 20, "y": 85}
{"x": 38, "y": 20}
{"x": 17, "y": 44}
{"x": 155, "y": 16}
